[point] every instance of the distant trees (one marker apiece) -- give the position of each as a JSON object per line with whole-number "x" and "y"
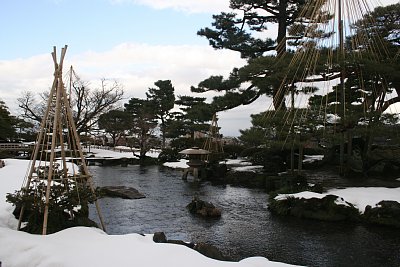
{"x": 13, "y": 128}
{"x": 116, "y": 123}
{"x": 142, "y": 118}
{"x": 142, "y": 113}
{"x": 87, "y": 103}
{"x": 163, "y": 99}
{"x": 7, "y": 130}
{"x": 196, "y": 113}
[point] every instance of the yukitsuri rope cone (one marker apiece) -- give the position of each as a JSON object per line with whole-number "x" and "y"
{"x": 57, "y": 143}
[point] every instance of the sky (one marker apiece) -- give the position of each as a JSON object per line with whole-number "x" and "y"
{"x": 136, "y": 42}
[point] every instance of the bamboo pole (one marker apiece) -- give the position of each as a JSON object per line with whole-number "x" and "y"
{"x": 342, "y": 80}
{"x": 38, "y": 143}
{"x": 52, "y": 156}
{"x": 300, "y": 162}
{"x": 84, "y": 165}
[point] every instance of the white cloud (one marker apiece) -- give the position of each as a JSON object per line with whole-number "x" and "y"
{"x": 135, "y": 66}
{"x": 208, "y": 6}
{"x": 138, "y": 66}
{"x": 19, "y": 75}
{"x": 189, "y": 6}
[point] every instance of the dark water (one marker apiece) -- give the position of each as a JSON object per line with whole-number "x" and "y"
{"x": 246, "y": 227}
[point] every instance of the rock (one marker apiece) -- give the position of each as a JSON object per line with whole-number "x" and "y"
{"x": 203, "y": 208}
{"x": 203, "y": 248}
{"x": 121, "y": 191}
{"x": 159, "y": 237}
{"x": 384, "y": 161}
{"x": 180, "y": 242}
{"x": 385, "y": 213}
{"x": 324, "y": 209}
{"x": 210, "y": 251}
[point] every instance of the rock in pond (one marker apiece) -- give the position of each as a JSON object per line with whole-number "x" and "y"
{"x": 203, "y": 208}
{"x": 385, "y": 213}
{"x": 207, "y": 250}
{"x": 124, "y": 192}
{"x": 328, "y": 208}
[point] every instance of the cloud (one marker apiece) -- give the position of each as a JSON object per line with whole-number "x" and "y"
{"x": 138, "y": 66}
{"x": 135, "y": 65}
{"x": 187, "y": 6}
{"x": 19, "y": 75}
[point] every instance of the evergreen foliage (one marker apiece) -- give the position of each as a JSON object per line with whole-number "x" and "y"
{"x": 196, "y": 113}
{"x": 163, "y": 98}
{"x": 143, "y": 123}
{"x": 116, "y": 123}
{"x": 7, "y": 130}
{"x": 68, "y": 205}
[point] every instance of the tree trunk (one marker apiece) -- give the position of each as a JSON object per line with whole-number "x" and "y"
{"x": 279, "y": 96}
{"x": 163, "y": 132}
{"x": 281, "y": 39}
{"x": 300, "y": 162}
{"x": 341, "y": 154}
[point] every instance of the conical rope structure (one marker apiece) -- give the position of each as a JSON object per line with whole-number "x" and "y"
{"x": 213, "y": 142}
{"x": 58, "y": 161}
{"x": 335, "y": 40}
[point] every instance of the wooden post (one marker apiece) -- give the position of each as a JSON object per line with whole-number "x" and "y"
{"x": 292, "y": 159}
{"x": 56, "y": 124}
{"x": 300, "y": 163}
{"x": 341, "y": 154}
{"x": 349, "y": 148}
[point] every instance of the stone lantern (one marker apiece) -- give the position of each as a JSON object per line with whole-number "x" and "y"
{"x": 195, "y": 162}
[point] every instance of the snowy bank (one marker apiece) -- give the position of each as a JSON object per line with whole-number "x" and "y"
{"x": 82, "y": 246}
{"x": 118, "y": 152}
{"x": 181, "y": 164}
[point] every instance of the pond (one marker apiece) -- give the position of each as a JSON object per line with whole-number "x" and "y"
{"x": 246, "y": 227}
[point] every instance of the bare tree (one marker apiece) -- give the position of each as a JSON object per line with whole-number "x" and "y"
{"x": 87, "y": 103}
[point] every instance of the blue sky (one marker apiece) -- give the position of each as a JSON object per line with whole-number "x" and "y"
{"x": 136, "y": 42}
{"x": 31, "y": 27}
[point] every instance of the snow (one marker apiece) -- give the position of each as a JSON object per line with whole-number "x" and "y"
{"x": 118, "y": 152}
{"x": 253, "y": 168}
{"x": 241, "y": 162}
{"x": 242, "y": 165}
{"x": 312, "y": 158}
{"x": 181, "y": 164}
{"x": 83, "y": 246}
{"x": 238, "y": 165}
{"x": 11, "y": 179}
{"x": 360, "y": 197}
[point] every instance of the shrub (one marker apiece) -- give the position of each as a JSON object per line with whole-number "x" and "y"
{"x": 68, "y": 206}
{"x": 169, "y": 154}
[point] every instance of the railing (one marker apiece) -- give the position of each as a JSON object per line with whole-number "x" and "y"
{"x": 16, "y": 146}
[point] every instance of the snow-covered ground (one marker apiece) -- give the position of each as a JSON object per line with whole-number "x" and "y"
{"x": 233, "y": 164}
{"x": 181, "y": 164}
{"x": 117, "y": 152}
{"x": 82, "y": 246}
